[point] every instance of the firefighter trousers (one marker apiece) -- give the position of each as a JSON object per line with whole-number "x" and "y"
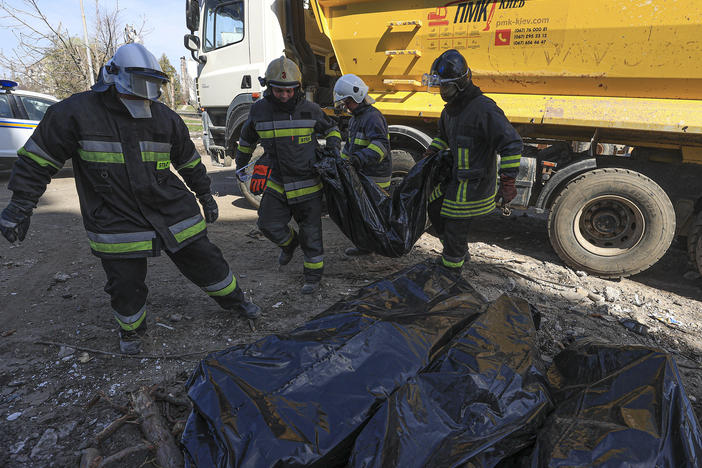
{"x": 274, "y": 215}
{"x": 200, "y": 261}
{"x": 453, "y": 233}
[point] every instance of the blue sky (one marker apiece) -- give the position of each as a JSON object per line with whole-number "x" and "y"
{"x": 165, "y": 22}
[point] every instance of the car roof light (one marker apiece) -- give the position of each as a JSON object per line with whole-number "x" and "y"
{"x": 7, "y": 84}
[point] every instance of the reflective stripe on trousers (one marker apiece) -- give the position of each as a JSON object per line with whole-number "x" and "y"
{"x": 130, "y": 322}
{"x": 314, "y": 263}
{"x": 222, "y": 288}
{"x": 452, "y": 262}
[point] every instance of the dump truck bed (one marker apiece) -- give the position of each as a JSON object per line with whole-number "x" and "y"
{"x": 630, "y": 68}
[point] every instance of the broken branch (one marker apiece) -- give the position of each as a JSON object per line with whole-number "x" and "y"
{"x": 161, "y": 395}
{"x": 130, "y": 356}
{"x": 154, "y": 429}
{"x": 112, "y": 427}
{"x": 124, "y": 453}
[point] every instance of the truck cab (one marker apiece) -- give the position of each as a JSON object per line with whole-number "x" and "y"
{"x": 233, "y": 42}
{"x": 233, "y": 46}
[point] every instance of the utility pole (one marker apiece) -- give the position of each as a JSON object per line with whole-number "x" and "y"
{"x": 91, "y": 78}
{"x": 184, "y": 82}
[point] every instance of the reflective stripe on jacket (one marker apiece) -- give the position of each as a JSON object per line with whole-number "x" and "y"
{"x": 133, "y": 204}
{"x": 475, "y": 129}
{"x": 289, "y": 139}
{"x": 369, "y": 140}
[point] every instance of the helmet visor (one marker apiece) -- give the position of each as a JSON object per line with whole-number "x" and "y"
{"x": 434, "y": 83}
{"x": 147, "y": 87}
{"x": 148, "y": 72}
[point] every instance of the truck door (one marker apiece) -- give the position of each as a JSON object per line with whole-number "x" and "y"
{"x": 225, "y": 40}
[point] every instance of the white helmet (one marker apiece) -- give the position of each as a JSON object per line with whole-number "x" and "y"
{"x": 134, "y": 70}
{"x": 351, "y": 86}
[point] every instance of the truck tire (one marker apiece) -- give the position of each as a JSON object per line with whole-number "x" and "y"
{"x": 694, "y": 243}
{"x": 611, "y": 223}
{"x": 402, "y": 163}
{"x": 254, "y": 200}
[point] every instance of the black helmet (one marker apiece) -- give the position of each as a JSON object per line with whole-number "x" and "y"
{"x": 449, "y": 73}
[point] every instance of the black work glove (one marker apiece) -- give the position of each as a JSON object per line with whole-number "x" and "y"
{"x": 209, "y": 207}
{"x": 332, "y": 151}
{"x": 355, "y": 161}
{"x": 14, "y": 220}
{"x": 443, "y": 162}
{"x": 507, "y": 190}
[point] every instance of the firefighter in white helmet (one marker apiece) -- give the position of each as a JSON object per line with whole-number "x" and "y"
{"x": 368, "y": 144}
{"x": 122, "y": 143}
{"x": 287, "y": 126}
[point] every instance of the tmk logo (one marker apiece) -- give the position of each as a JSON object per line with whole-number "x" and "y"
{"x": 474, "y": 11}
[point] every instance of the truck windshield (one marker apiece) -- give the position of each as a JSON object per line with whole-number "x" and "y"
{"x": 224, "y": 24}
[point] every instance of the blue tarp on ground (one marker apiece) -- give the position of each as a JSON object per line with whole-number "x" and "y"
{"x": 617, "y": 406}
{"x": 478, "y": 402}
{"x": 300, "y": 398}
{"x": 416, "y": 370}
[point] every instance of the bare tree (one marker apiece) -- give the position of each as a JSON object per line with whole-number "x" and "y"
{"x": 48, "y": 58}
{"x": 172, "y": 88}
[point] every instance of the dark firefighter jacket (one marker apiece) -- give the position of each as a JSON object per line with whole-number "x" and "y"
{"x": 369, "y": 140}
{"x": 475, "y": 129}
{"x": 289, "y": 140}
{"x": 131, "y": 201}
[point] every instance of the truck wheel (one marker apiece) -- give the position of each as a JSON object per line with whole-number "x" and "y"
{"x": 694, "y": 243}
{"x": 402, "y": 162}
{"x": 611, "y": 223}
{"x": 254, "y": 200}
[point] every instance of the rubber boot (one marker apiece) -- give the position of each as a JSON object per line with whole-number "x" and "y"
{"x": 310, "y": 288}
{"x": 287, "y": 252}
{"x": 249, "y": 310}
{"x": 130, "y": 340}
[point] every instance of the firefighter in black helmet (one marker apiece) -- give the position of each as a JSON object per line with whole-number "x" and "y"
{"x": 287, "y": 127}
{"x": 472, "y": 131}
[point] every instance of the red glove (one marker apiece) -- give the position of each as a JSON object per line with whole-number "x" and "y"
{"x": 507, "y": 190}
{"x": 259, "y": 178}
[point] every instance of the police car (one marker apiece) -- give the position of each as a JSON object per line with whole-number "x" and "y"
{"x": 20, "y": 112}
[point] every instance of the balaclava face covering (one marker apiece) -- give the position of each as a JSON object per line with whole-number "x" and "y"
{"x": 285, "y": 106}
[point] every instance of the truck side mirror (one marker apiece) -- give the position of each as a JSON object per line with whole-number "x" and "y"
{"x": 191, "y": 42}
{"x": 192, "y": 14}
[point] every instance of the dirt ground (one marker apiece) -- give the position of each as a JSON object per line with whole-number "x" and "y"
{"x": 51, "y": 290}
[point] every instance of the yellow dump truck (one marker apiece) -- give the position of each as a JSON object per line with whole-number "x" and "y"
{"x": 606, "y": 95}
